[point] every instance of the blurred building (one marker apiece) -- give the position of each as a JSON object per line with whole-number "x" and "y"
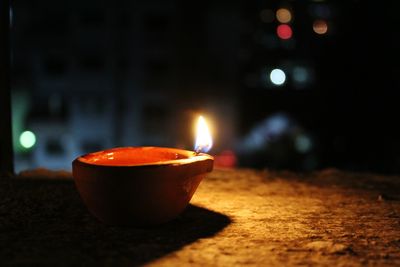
{"x": 100, "y": 74}
{"x": 94, "y": 74}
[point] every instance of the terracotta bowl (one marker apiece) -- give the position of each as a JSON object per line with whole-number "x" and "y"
{"x": 139, "y": 185}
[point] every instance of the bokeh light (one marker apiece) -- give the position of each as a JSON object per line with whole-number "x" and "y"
{"x": 27, "y": 139}
{"x": 320, "y": 26}
{"x": 300, "y": 74}
{"x": 303, "y": 143}
{"x": 284, "y": 31}
{"x": 226, "y": 159}
{"x": 268, "y": 131}
{"x": 277, "y": 76}
{"x": 283, "y": 15}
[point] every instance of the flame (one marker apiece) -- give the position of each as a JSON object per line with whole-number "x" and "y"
{"x": 203, "y": 136}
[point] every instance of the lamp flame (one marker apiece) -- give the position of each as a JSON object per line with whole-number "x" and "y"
{"x": 203, "y": 138}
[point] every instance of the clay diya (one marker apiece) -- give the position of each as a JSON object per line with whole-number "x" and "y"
{"x": 139, "y": 185}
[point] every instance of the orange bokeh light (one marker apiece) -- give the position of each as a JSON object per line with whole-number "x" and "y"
{"x": 320, "y": 27}
{"x": 283, "y": 15}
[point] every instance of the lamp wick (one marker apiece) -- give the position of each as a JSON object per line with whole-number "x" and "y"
{"x": 198, "y": 150}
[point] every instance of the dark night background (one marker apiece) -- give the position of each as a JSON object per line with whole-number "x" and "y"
{"x": 88, "y": 75}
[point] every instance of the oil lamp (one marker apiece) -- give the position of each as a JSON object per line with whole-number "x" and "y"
{"x": 142, "y": 185}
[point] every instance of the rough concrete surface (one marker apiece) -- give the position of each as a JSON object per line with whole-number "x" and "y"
{"x": 237, "y": 217}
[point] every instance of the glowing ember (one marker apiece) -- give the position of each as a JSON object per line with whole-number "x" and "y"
{"x": 203, "y": 138}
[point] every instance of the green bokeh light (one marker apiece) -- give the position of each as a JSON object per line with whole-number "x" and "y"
{"x": 27, "y": 139}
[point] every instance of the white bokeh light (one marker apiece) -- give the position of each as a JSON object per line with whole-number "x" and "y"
{"x": 277, "y": 76}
